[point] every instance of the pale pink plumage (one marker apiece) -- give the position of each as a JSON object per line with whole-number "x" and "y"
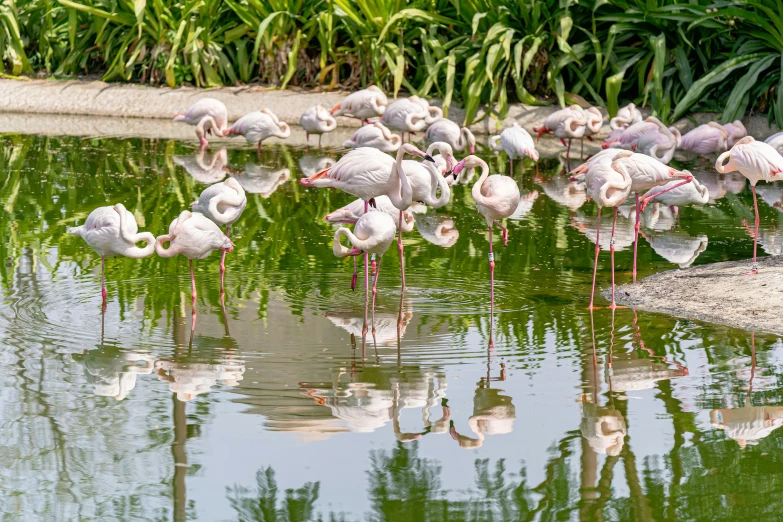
{"x": 446, "y": 130}
{"x": 566, "y": 123}
{"x": 364, "y": 104}
{"x": 710, "y": 138}
{"x": 405, "y": 115}
{"x": 516, "y": 142}
{"x": 208, "y": 115}
{"x": 223, "y": 202}
{"x": 756, "y": 160}
{"x": 113, "y": 231}
{"x": 194, "y": 236}
{"x": 626, "y": 116}
{"x": 257, "y": 126}
{"x": 376, "y": 136}
{"x": 317, "y": 120}
{"x": 350, "y": 213}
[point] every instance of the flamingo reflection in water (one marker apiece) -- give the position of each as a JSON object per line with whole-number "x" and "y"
{"x": 748, "y": 424}
{"x": 261, "y": 180}
{"x": 205, "y": 168}
{"x": 437, "y": 229}
{"x": 188, "y": 379}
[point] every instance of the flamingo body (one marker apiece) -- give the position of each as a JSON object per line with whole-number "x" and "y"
{"x": 317, "y": 120}
{"x": 566, "y": 123}
{"x": 405, "y": 115}
{"x": 257, "y": 126}
{"x": 351, "y": 213}
{"x": 447, "y": 131}
{"x": 208, "y": 115}
{"x": 373, "y": 233}
{"x": 626, "y": 116}
{"x": 516, "y": 142}
{"x": 693, "y": 193}
{"x": 756, "y": 160}
{"x": 710, "y": 138}
{"x": 223, "y": 202}
{"x": 113, "y": 231}
{"x": 363, "y": 104}
{"x": 194, "y": 236}
{"x": 377, "y": 136}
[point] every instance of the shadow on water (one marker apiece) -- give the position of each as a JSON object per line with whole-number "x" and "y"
{"x": 431, "y": 406}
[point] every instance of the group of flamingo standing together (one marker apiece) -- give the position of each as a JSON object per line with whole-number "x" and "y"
{"x": 634, "y": 159}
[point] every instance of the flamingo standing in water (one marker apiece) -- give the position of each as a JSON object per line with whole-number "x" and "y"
{"x": 406, "y": 115}
{"x": 113, "y": 231}
{"x": 257, "y": 126}
{"x": 365, "y": 104}
{"x": 208, "y": 115}
{"x": 497, "y": 197}
{"x": 517, "y": 143}
{"x": 757, "y": 161}
{"x": 223, "y": 203}
{"x": 609, "y": 187}
{"x": 373, "y": 234}
{"x": 570, "y": 123}
{"x": 376, "y": 136}
{"x": 446, "y": 130}
{"x": 195, "y": 237}
{"x": 317, "y": 120}
{"x": 629, "y": 138}
{"x": 368, "y": 173}
{"x": 710, "y": 138}
{"x": 646, "y": 173}
{"x": 659, "y": 144}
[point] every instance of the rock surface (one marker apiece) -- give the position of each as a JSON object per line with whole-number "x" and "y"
{"x": 716, "y": 293}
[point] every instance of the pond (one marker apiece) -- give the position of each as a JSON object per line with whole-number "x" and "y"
{"x": 275, "y": 407}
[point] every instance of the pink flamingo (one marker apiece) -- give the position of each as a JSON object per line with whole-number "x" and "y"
{"x": 364, "y": 104}
{"x": 628, "y": 139}
{"x": 625, "y": 117}
{"x": 446, "y": 130}
{"x": 317, "y": 120}
{"x": 497, "y": 197}
{"x": 257, "y": 126}
{"x": 517, "y": 143}
{"x": 609, "y": 187}
{"x": 407, "y": 115}
{"x": 570, "y": 123}
{"x": 659, "y": 144}
{"x": 195, "y": 237}
{"x": 736, "y": 131}
{"x": 593, "y": 125}
{"x": 757, "y": 161}
{"x": 710, "y": 138}
{"x": 646, "y": 173}
{"x": 368, "y": 173}
{"x": 113, "y": 231}
{"x": 376, "y": 136}
{"x": 208, "y": 115}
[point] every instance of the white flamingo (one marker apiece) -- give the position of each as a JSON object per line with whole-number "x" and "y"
{"x": 710, "y": 138}
{"x": 364, "y": 104}
{"x": 257, "y": 126}
{"x": 497, "y": 197}
{"x": 757, "y": 161}
{"x": 433, "y": 113}
{"x": 626, "y": 116}
{"x": 629, "y": 137}
{"x": 570, "y": 123}
{"x": 516, "y": 142}
{"x": 675, "y": 194}
{"x": 223, "y": 203}
{"x": 593, "y": 125}
{"x": 317, "y": 120}
{"x": 406, "y": 115}
{"x": 376, "y": 136}
{"x": 776, "y": 141}
{"x": 659, "y": 144}
{"x": 194, "y": 236}
{"x": 111, "y": 232}
{"x": 446, "y": 130}
{"x": 208, "y": 115}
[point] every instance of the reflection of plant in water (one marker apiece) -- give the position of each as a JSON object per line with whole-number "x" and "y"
{"x": 263, "y": 504}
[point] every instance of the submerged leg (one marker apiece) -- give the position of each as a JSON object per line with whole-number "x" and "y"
{"x": 192, "y": 282}
{"x": 636, "y": 237}
{"x": 223, "y": 259}
{"x": 568, "y": 155}
{"x": 595, "y": 264}
{"x": 103, "y": 277}
{"x": 505, "y": 232}
{"x": 400, "y": 248}
{"x": 611, "y": 254}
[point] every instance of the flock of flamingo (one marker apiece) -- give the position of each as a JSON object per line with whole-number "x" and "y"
{"x": 633, "y": 160}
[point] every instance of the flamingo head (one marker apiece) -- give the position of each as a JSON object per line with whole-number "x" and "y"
{"x": 540, "y": 131}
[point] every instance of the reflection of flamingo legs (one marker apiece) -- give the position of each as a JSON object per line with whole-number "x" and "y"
{"x": 595, "y": 264}
{"x": 103, "y": 270}
{"x": 491, "y": 270}
{"x": 611, "y": 254}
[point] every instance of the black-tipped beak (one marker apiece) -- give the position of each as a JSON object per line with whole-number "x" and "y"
{"x": 428, "y": 158}
{"x": 449, "y": 173}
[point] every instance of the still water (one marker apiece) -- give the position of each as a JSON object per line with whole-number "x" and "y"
{"x": 275, "y": 408}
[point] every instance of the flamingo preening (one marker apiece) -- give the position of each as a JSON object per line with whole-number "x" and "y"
{"x": 497, "y": 197}
{"x": 517, "y": 143}
{"x": 377, "y": 136}
{"x": 317, "y": 120}
{"x": 407, "y": 115}
{"x": 447, "y": 131}
{"x": 209, "y": 115}
{"x": 625, "y": 117}
{"x": 364, "y": 104}
{"x": 113, "y": 231}
{"x": 257, "y": 126}
{"x": 569, "y": 123}
{"x": 757, "y": 161}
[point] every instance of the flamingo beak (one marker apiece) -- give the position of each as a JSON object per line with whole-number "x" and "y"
{"x": 458, "y": 168}
{"x": 427, "y": 157}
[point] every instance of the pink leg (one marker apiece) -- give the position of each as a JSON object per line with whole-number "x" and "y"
{"x": 223, "y": 259}
{"x": 103, "y": 278}
{"x": 755, "y": 268}
{"x": 646, "y": 199}
{"x": 595, "y": 264}
{"x": 491, "y": 271}
{"x": 636, "y": 237}
{"x": 203, "y": 141}
{"x": 192, "y": 282}
{"x": 505, "y": 232}
{"x": 258, "y": 150}
{"x": 510, "y": 167}
{"x": 568, "y": 155}
{"x": 353, "y": 279}
{"x": 611, "y": 254}
{"x": 375, "y": 285}
{"x": 400, "y": 248}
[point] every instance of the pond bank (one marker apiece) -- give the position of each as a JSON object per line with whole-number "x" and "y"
{"x": 717, "y": 293}
{"x": 138, "y": 101}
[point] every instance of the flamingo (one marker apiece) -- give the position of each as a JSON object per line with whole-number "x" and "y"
{"x": 736, "y": 131}
{"x": 595, "y": 121}
{"x": 757, "y": 161}
{"x": 776, "y": 141}
{"x": 625, "y": 117}
{"x": 710, "y": 138}
{"x": 433, "y": 113}
{"x": 222, "y": 203}
{"x": 646, "y": 173}
{"x": 264, "y": 181}
{"x": 368, "y": 173}
{"x": 629, "y": 137}
{"x": 446, "y": 130}
{"x": 373, "y": 233}
{"x": 517, "y": 143}
{"x": 497, "y": 197}
{"x": 111, "y": 232}
{"x": 317, "y": 120}
{"x": 678, "y": 247}
{"x": 209, "y": 116}
{"x": 377, "y": 136}
{"x": 204, "y": 169}
{"x": 194, "y": 236}
{"x": 674, "y": 194}
{"x": 570, "y": 123}
{"x": 257, "y": 126}
{"x": 438, "y": 230}
{"x": 609, "y": 187}
{"x": 659, "y": 144}
{"x": 364, "y": 104}
{"x": 406, "y": 115}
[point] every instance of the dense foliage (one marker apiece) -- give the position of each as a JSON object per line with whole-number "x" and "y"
{"x": 670, "y": 56}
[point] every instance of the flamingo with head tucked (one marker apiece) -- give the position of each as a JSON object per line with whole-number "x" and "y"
{"x": 364, "y": 104}
{"x": 406, "y": 115}
{"x": 446, "y": 130}
{"x": 516, "y": 142}
{"x": 593, "y": 125}
{"x": 710, "y": 138}
{"x": 257, "y": 126}
{"x": 736, "y": 131}
{"x": 674, "y": 194}
{"x": 570, "y": 123}
{"x": 195, "y": 237}
{"x": 208, "y": 115}
{"x": 757, "y": 161}
{"x": 625, "y": 117}
{"x": 376, "y": 136}
{"x": 659, "y": 144}
{"x": 628, "y": 138}
{"x": 317, "y": 120}
{"x": 497, "y": 197}
{"x": 111, "y": 232}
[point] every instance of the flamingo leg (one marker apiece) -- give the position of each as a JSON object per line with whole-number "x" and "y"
{"x": 646, "y": 200}
{"x": 375, "y": 285}
{"x": 491, "y": 270}
{"x": 595, "y": 264}
{"x": 568, "y": 155}
{"x": 192, "y": 283}
{"x": 319, "y": 140}
{"x": 400, "y": 248}
{"x": 505, "y": 232}
{"x": 353, "y": 279}
{"x": 510, "y": 166}
{"x": 611, "y": 254}
{"x": 103, "y": 278}
{"x": 223, "y": 259}
{"x": 755, "y": 267}
{"x": 636, "y": 237}
{"x": 582, "y": 154}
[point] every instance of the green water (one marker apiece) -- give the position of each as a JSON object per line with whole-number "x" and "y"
{"x": 275, "y": 408}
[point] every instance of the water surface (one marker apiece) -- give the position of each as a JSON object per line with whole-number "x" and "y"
{"x": 275, "y": 407}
